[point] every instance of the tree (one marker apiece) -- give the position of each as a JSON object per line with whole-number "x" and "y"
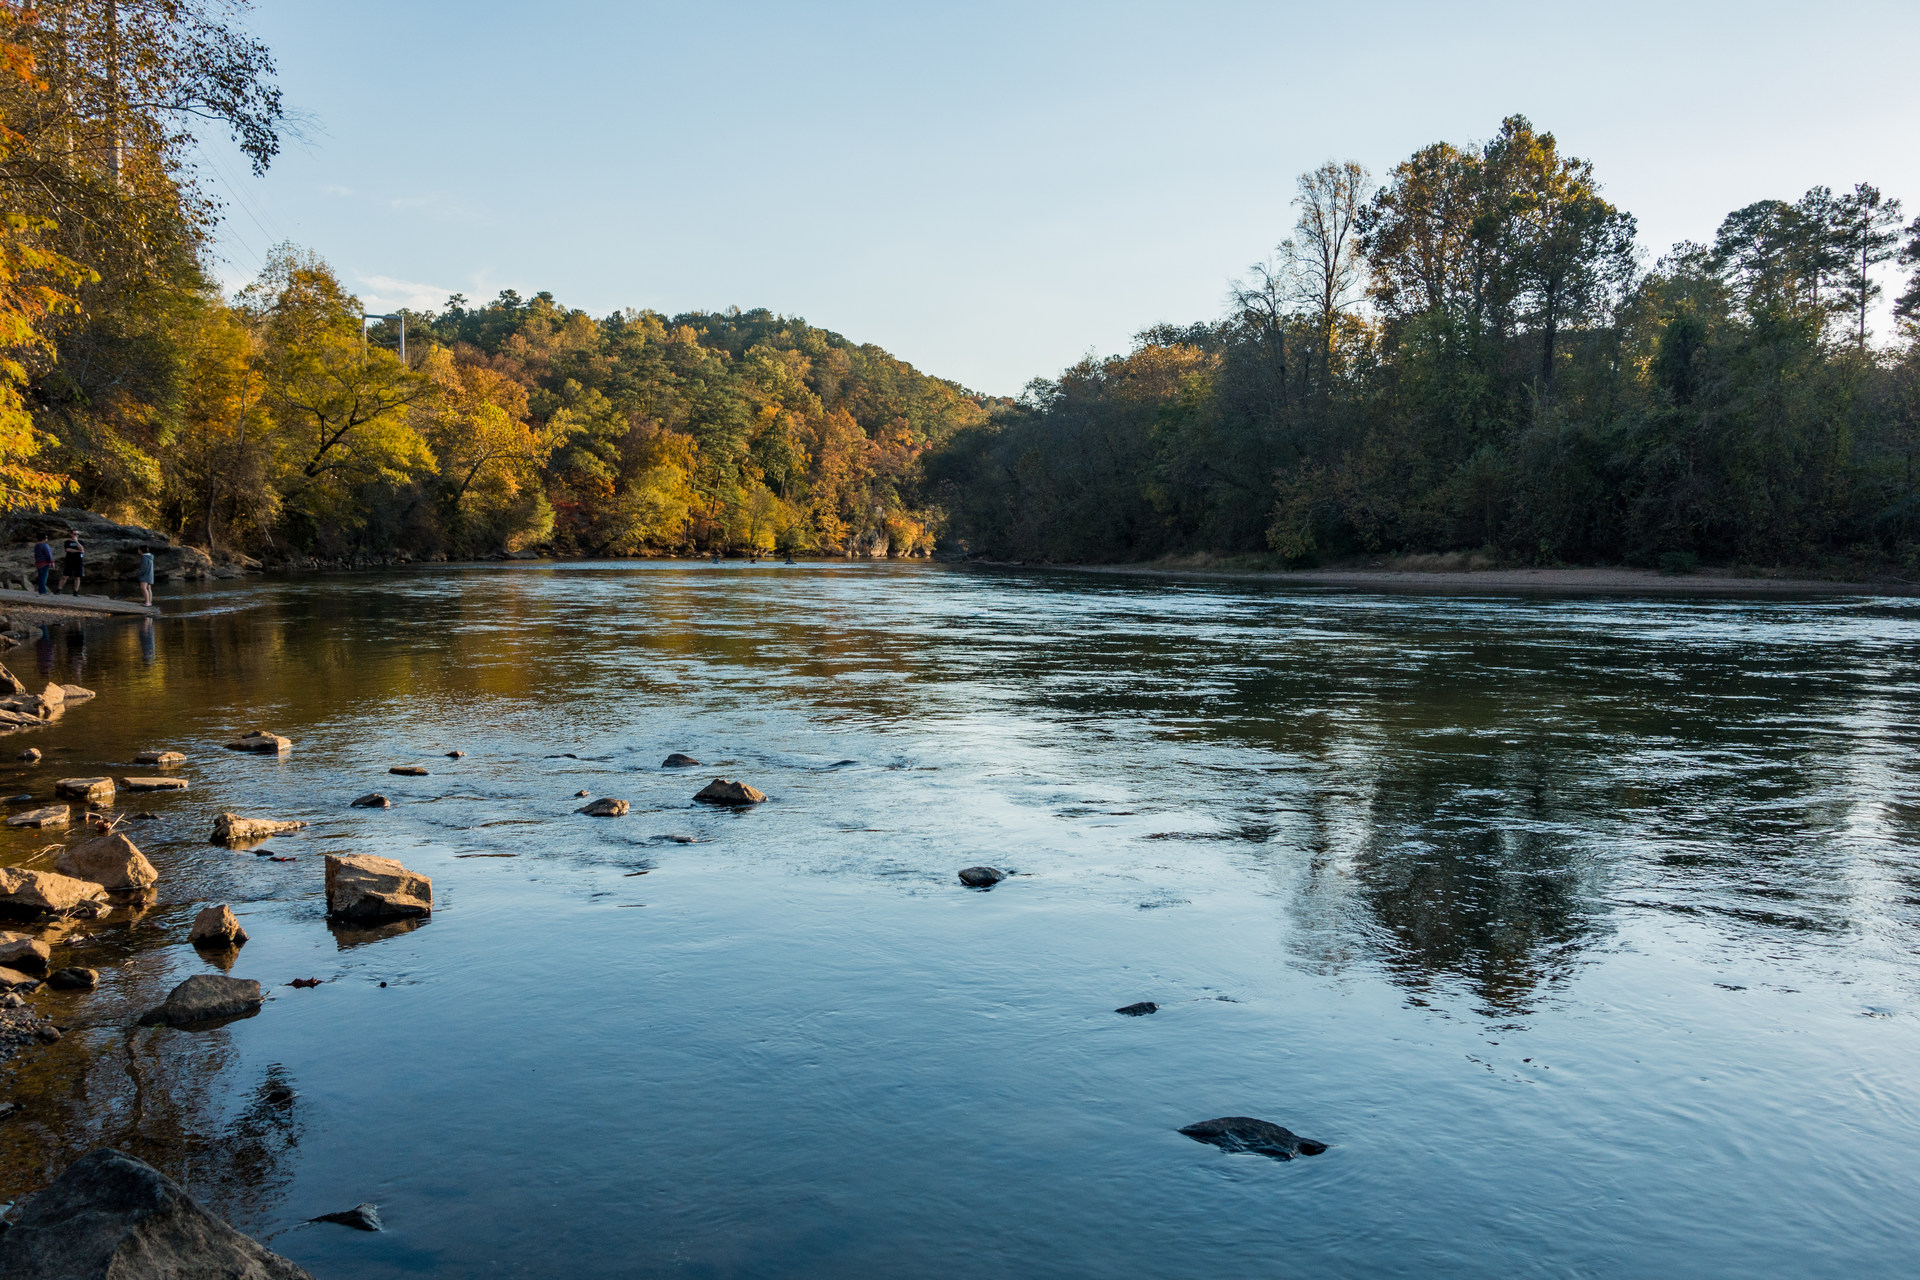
{"x": 1868, "y": 226}
{"x": 1324, "y": 255}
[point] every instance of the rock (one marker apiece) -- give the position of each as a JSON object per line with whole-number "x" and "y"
{"x": 112, "y": 861}
{"x": 88, "y": 789}
{"x": 161, "y": 759}
{"x": 110, "y": 1217}
{"x": 231, "y": 829}
{"x": 54, "y": 815}
{"x": 456, "y": 755}
{"x": 408, "y": 771}
{"x": 75, "y": 693}
{"x": 582, "y": 794}
{"x": 10, "y": 683}
{"x": 1259, "y": 1137}
{"x": 113, "y": 549}
{"x": 261, "y": 741}
{"x": 154, "y": 784}
{"x": 304, "y": 982}
{"x": 726, "y": 791}
{"x": 365, "y": 887}
{"x": 146, "y": 817}
{"x": 362, "y": 1217}
{"x": 48, "y": 1032}
{"x": 1138, "y": 1010}
{"x": 605, "y": 807}
{"x": 75, "y": 979}
{"x": 981, "y": 877}
{"x": 55, "y": 695}
{"x": 205, "y": 997}
{"x": 47, "y": 893}
{"x": 217, "y": 928}
{"x": 13, "y": 979}
{"x": 373, "y": 800}
{"x": 25, "y": 953}
{"x": 30, "y": 756}
{"x": 678, "y": 761}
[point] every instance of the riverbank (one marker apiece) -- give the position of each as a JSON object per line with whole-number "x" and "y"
{"x": 1560, "y": 582}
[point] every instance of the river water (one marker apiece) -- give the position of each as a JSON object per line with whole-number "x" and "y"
{"x": 1583, "y": 930}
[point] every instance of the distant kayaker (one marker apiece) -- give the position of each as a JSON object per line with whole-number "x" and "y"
{"x": 42, "y": 565}
{"x": 75, "y": 566}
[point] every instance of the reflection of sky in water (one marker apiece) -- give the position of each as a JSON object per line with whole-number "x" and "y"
{"x": 1554, "y": 916}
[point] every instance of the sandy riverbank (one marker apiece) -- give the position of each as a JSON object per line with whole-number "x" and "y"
{"x": 1572, "y": 582}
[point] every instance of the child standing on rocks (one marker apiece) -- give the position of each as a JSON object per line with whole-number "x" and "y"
{"x": 145, "y": 576}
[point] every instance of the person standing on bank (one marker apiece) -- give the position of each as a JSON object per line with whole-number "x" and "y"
{"x": 76, "y": 563}
{"x": 145, "y": 576}
{"x": 42, "y": 565}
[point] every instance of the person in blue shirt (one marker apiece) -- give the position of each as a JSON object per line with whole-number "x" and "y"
{"x": 145, "y": 576}
{"x": 42, "y": 565}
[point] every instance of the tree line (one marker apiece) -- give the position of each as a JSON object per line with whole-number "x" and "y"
{"x": 1468, "y": 356}
{"x": 279, "y": 421}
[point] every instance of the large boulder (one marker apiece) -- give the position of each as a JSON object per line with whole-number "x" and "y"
{"x": 727, "y": 791}
{"x": 25, "y": 953}
{"x": 111, "y": 1217}
{"x": 27, "y": 892}
{"x": 205, "y": 997}
{"x": 217, "y": 928}
{"x": 231, "y": 829}
{"x": 111, "y": 860}
{"x": 366, "y": 887}
{"x": 113, "y": 550}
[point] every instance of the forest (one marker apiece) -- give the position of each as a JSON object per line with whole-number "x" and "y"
{"x": 1469, "y": 355}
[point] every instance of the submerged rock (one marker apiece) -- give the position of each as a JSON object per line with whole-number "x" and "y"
{"x": 161, "y": 759}
{"x": 362, "y": 1217}
{"x": 605, "y": 807}
{"x": 1257, "y": 1137}
{"x": 727, "y": 791}
{"x": 231, "y": 829}
{"x": 981, "y": 877}
{"x": 30, "y": 756}
{"x": 154, "y": 784}
{"x": 88, "y": 789}
{"x": 456, "y": 755}
{"x": 408, "y": 771}
{"x": 53, "y": 815}
{"x": 74, "y": 979}
{"x": 205, "y": 997}
{"x": 110, "y": 860}
{"x": 216, "y": 927}
{"x": 25, "y": 953}
{"x": 111, "y": 1217}
{"x": 364, "y": 887}
{"x": 259, "y": 740}
{"x": 47, "y": 893}
{"x": 1139, "y": 1010}
{"x": 372, "y": 800}
{"x": 678, "y": 761}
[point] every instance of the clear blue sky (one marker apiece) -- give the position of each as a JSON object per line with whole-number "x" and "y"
{"x": 991, "y": 190}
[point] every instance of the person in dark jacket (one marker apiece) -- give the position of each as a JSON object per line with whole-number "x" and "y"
{"x": 75, "y": 566}
{"x": 145, "y": 575}
{"x": 42, "y": 565}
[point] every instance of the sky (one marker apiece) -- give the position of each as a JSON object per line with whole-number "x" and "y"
{"x": 993, "y": 190}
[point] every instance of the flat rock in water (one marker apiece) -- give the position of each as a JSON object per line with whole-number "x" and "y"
{"x": 111, "y": 1216}
{"x": 373, "y": 800}
{"x": 456, "y": 755}
{"x": 1139, "y": 1010}
{"x": 75, "y": 693}
{"x": 154, "y": 784}
{"x": 161, "y": 759}
{"x": 30, "y": 756}
{"x": 1258, "y": 1137}
{"x": 112, "y": 861}
{"x": 13, "y": 979}
{"x": 47, "y": 892}
{"x": 74, "y": 979}
{"x": 85, "y": 788}
{"x": 605, "y": 807}
{"x": 261, "y": 741}
{"x": 205, "y": 997}
{"x": 678, "y": 761}
{"x": 727, "y": 791}
{"x": 53, "y": 815}
{"x": 231, "y": 829}
{"x": 408, "y": 771}
{"x": 25, "y": 953}
{"x": 216, "y": 927}
{"x": 981, "y": 877}
{"x": 362, "y": 1217}
{"x": 363, "y": 887}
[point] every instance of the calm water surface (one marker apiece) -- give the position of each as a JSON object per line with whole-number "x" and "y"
{"x": 1584, "y": 931}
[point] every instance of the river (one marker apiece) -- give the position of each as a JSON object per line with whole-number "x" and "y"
{"x": 1584, "y": 931}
